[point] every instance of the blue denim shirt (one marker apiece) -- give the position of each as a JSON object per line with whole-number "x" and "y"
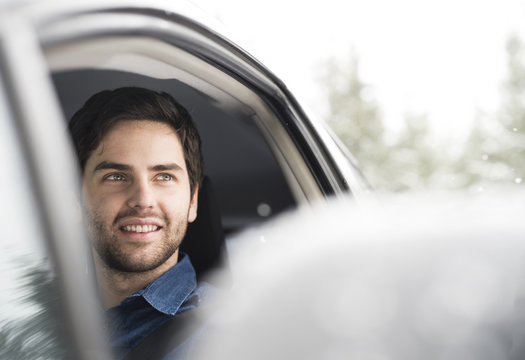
{"x": 141, "y": 313}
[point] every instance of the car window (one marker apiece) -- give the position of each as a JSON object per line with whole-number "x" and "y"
{"x": 29, "y": 321}
{"x": 248, "y": 181}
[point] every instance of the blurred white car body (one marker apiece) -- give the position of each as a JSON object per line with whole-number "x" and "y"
{"x": 411, "y": 277}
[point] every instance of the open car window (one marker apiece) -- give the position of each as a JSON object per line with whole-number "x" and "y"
{"x": 255, "y": 167}
{"x": 262, "y": 152}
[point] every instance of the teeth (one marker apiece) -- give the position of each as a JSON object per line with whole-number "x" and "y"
{"x": 141, "y": 228}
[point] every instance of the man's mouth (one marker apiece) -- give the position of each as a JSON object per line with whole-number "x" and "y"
{"x": 140, "y": 228}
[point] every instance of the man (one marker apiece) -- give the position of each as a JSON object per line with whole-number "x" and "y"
{"x": 141, "y": 162}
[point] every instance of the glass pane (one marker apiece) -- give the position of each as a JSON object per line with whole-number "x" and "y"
{"x": 29, "y": 325}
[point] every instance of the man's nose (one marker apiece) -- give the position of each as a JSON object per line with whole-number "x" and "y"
{"x": 141, "y": 196}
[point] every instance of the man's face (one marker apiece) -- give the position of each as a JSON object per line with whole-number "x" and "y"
{"x": 137, "y": 196}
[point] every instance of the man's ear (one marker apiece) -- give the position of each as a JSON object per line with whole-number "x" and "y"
{"x": 192, "y": 211}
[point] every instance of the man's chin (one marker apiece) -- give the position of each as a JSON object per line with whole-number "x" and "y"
{"x": 131, "y": 266}
{"x": 137, "y": 263}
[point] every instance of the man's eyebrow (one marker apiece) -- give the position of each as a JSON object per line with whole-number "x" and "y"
{"x": 166, "y": 167}
{"x": 105, "y": 165}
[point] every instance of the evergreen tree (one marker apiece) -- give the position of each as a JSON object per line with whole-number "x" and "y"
{"x": 495, "y": 150}
{"x": 413, "y": 159}
{"x": 511, "y": 147}
{"x": 355, "y": 117}
{"x": 494, "y": 153}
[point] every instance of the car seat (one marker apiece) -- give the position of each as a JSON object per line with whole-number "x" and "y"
{"x": 204, "y": 240}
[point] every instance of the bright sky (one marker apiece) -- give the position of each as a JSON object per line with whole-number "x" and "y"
{"x": 445, "y": 58}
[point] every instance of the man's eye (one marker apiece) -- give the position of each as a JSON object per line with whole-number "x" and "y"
{"x": 115, "y": 177}
{"x": 165, "y": 177}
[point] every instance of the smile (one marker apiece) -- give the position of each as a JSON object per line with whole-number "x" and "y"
{"x": 140, "y": 228}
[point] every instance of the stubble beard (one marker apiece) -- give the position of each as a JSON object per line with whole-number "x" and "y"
{"x": 106, "y": 244}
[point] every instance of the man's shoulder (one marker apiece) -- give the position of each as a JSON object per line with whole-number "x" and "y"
{"x": 192, "y": 325}
{"x": 179, "y": 336}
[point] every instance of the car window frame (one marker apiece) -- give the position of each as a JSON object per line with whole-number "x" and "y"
{"x": 333, "y": 173}
{"x": 53, "y": 170}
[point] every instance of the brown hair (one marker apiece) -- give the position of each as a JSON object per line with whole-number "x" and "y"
{"x": 102, "y": 111}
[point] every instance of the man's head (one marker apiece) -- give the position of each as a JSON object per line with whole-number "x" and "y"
{"x": 141, "y": 167}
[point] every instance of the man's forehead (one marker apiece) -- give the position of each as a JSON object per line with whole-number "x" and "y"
{"x": 147, "y": 126}
{"x": 146, "y": 142}
{"x": 127, "y": 132}
{"x": 109, "y": 165}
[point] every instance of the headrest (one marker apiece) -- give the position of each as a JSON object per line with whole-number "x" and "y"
{"x": 204, "y": 240}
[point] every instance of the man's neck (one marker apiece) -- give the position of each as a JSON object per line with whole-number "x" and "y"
{"x": 115, "y": 286}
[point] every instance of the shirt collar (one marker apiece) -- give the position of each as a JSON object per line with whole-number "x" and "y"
{"x": 169, "y": 291}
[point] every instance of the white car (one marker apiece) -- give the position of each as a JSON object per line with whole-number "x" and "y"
{"x": 263, "y": 154}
